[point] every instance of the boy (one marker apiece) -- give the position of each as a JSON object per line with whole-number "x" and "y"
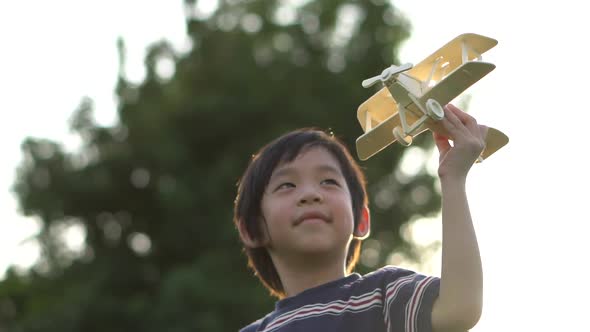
{"x": 301, "y": 212}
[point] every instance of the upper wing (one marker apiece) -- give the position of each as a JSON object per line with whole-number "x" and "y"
{"x": 377, "y": 138}
{"x": 450, "y": 56}
{"x": 458, "y": 81}
{"x": 381, "y": 136}
{"x": 376, "y": 109}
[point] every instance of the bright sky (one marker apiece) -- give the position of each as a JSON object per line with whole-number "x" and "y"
{"x": 529, "y": 215}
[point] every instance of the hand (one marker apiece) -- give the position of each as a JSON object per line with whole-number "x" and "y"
{"x": 468, "y": 142}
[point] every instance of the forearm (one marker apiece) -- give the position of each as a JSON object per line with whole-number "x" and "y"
{"x": 461, "y": 275}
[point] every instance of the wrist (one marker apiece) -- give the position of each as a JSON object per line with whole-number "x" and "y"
{"x": 452, "y": 180}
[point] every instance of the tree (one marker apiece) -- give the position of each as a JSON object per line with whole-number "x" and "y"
{"x": 154, "y": 192}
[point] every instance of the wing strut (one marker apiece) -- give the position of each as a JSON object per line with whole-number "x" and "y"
{"x": 426, "y": 83}
{"x": 465, "y": 50}
{"x": 368, "y": 122}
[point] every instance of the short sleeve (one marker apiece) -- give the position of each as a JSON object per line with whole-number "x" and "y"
{"x": 250, "y": 328}
{"x": 408, "y": 300}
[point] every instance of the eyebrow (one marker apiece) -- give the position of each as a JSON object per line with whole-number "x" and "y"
{"x": 284, "y": 171}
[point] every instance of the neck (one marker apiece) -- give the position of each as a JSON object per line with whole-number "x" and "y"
{"x": 307, "y": 273}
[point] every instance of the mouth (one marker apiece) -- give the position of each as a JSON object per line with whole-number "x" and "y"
{"x": 309, "y": 216}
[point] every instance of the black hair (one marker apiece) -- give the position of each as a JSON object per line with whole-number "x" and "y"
{"x": 251, "y": 187}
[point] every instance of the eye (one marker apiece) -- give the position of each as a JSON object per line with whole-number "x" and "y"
{"x": 330, "y": 182}
{"x": 285, "y": 185}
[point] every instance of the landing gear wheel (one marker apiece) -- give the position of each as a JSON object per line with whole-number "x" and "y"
{"x": 434, "y": 110}
{"x": 400, "y": 137}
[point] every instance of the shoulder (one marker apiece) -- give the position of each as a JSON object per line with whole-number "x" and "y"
{"x": 392, "y": 280}
{"x": 250, "y": 328}
{"x": 384, "y": 278}
{"x": 390, "y": 273}
{"x": 253, "y": 327}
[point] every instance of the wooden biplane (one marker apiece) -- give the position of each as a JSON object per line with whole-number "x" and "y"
{"x": 410, "y": 101}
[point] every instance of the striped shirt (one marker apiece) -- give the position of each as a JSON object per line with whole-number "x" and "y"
{"x": 390, "y": 299}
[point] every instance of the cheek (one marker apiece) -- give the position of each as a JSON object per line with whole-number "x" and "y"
{"x": 276, "y": 213}
{"x": 345, "y": 213}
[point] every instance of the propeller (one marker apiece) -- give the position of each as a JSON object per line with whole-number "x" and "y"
{"x": 387, "y": 74}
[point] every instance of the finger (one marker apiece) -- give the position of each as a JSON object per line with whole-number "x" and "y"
{"x": 483, "y": 131}
{"x": 467, "y": 120}
{"x": 442, "y": 143}
{"x": 452, "y": 107}
{"x": 452, "y": 124}
{"x": 451, "y": 114}
{"x": 470, "y": 123}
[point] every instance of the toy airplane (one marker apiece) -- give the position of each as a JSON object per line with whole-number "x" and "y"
{"x": 410, "y": 101}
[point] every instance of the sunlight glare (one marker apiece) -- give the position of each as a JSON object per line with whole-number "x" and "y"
{"x": 412, "y": 161}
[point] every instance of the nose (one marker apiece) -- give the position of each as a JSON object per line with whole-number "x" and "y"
{"x": 310, "y": 195}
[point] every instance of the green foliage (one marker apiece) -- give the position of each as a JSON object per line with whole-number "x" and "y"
{"x": 154, "y": 193}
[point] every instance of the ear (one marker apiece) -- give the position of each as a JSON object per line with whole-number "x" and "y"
{"x": 246, "y": 238}
{"x": 363, "y": 228}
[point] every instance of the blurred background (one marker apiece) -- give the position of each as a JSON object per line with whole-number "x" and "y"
{"x": 127, "y": 125}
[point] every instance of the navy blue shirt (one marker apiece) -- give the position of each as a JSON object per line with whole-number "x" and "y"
{"x": 389, "y": 299}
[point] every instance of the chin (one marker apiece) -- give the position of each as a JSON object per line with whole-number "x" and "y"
{"x": 319, "y": 245}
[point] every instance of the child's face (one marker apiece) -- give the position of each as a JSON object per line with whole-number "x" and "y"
{"x": 307, "y": 207}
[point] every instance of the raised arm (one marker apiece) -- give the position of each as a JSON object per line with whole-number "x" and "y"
{"x": 459, "y": 304}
